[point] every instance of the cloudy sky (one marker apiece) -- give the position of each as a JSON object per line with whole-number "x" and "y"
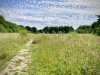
{"x": 41, "y": 13}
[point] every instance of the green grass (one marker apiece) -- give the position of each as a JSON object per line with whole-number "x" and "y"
{"x": 65, "y": 54}
{"x": 10, "y": 44}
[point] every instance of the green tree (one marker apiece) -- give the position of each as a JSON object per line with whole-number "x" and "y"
{"x": 6, "y": 26}
{"x": 34, "y": 30}
{"x": 1, "y": 19}
{"x": 46, "y": 29}
{"x": 28, "y": 28}
{"x": 84, "y": 29}
{"x": 55, "y": 29}
{"x": 2, "y": 28}
{"x": 96, "y": 26}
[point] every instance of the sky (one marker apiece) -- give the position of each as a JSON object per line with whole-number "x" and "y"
{"x": 42, "y": 13}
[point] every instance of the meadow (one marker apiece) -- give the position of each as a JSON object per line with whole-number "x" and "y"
{"x": 10, "y": 44}
{"x": 54, "y": 54}
{"x": 65, "y": 54}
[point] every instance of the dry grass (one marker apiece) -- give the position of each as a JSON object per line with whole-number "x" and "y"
{"x": 10, "y": 43}
{"x": 65, "y": 54}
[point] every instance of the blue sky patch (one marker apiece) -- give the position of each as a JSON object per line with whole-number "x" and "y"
{"x": 41, "y": 13}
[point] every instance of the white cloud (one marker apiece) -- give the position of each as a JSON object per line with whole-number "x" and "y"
{"x": 49, "y": 12}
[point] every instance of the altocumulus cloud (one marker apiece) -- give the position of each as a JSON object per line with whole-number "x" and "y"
{"x": 41, "y": 13}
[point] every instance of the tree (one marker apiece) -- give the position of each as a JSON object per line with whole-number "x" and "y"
{"x": 84, "y": 29}
{"x": 28, "y": 28}
{"x": 55, "y": 29}
{"x": 2, "y": 28}
{"x": 46, "y": 29}
{"x": 34, "y": 30}
{"x": 22, "y": 28}
{"x": 1, "y": 19}
{"x": 96, "y": 26}
{"x": 6, "y": 26}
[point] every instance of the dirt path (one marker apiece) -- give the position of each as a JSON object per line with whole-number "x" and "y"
{"x": 18, "y": 64}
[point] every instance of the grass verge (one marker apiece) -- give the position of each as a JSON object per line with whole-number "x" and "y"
{"x": 10, "y": 44}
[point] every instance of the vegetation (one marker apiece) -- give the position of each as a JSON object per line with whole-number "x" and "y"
{"x": 65, "y": 54}
{"x": 60, "y": 29}
{"x": 6, "y": 26}
{"x": 84, "y": 29}
{"x": 94, "y": 28}
{"x": 53, "y": 53}
{"x": 51, "y": 30}
{"x": 10, "y": 43}
{"x": 32, "y": 29}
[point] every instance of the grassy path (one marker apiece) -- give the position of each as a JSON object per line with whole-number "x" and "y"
{"x": 18, "y": 63}
{"x": 56, "y": 54}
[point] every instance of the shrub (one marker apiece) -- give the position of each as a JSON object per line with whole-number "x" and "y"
{"x": 23, "y": 33}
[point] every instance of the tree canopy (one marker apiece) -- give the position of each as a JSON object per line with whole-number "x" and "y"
{"x": 6, "y": 26}
{"x": 55, "y": 29}
{"x": 84, "y": 29}
{"x": 94, "y": 28}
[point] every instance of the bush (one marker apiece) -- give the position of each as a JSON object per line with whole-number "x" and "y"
{"x": 98, "y": 31}
{"x": 23, "y": 33}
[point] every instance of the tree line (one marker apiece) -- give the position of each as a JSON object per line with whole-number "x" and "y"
{"x": 58, "y": 29}
{"x": 6, "y": 26}
{"x": 94, "y": 28}
{"x": 51, "y": 30}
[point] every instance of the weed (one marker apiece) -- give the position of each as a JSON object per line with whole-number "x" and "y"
{"x": 65, "y": 54}
{"x": 10, "y": 44}
{"x": 15, "y": 73}
{"x": 18, "y": 62}
{"x": 23, "y": 33}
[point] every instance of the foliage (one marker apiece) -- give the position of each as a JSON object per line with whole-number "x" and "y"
{"x": 23, "y": 33}
{"x": 63, "y": 29}
{"x": 2, "y": 28}
{"x": 34, "y": 30}
{"x": 6, "y": 26}
{"x": 84, "y": 29}
{"x": 21, "y": 27}
{"x": 51, "y": 30}
{"x": 28, "y": 28}
{"x": 96, "y": 26}
{"x": 1, "y": 19}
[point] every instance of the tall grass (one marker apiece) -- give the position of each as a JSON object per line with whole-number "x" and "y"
{"x": 10, "y": 43}
{"x": 65, "y": 54}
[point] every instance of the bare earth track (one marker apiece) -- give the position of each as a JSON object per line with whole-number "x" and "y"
{"x": 19, "y": 62}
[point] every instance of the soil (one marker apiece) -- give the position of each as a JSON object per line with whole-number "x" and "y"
{"x": 18, "y": 64}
